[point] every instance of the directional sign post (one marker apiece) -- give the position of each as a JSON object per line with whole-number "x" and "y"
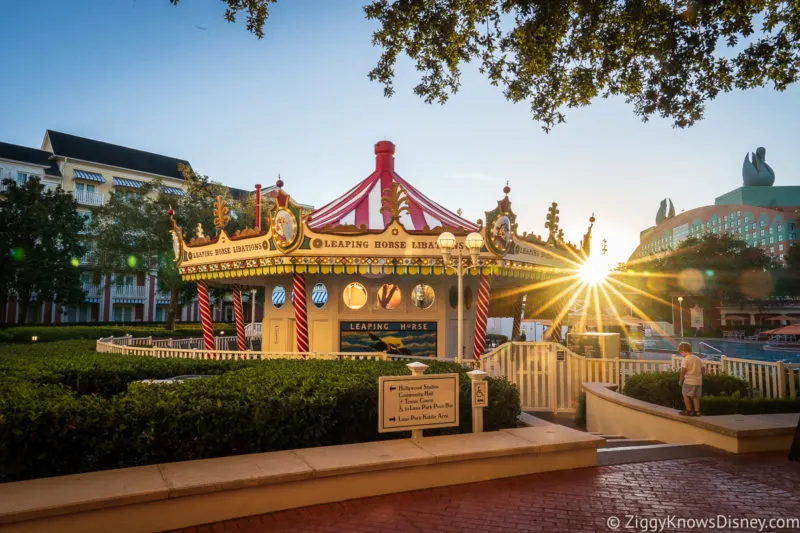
{"x": 480, "y": 398}
{"x": 414, "y": 403}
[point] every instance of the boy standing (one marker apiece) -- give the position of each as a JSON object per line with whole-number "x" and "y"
{"x": 691, "y": 379}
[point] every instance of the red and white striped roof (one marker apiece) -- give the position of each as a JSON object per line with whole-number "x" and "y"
{"x": 361, "y": 205}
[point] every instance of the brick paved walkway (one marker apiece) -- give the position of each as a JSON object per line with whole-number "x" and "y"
{"x": 751, "y": 486}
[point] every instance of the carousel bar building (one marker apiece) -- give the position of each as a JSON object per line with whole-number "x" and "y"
{"x": 377, "y": 269}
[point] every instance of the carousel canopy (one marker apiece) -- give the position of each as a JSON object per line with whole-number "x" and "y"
{"x": 362, "y": 206}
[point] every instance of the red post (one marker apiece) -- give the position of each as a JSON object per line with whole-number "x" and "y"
{"x": 205, "y": 315}
{"x": 481, "y": 316}
{"x": 300, "y": 312}
{"x": 239, "y": 318}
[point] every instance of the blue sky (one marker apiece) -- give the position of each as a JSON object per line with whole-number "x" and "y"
{"x": 182, "y": 82}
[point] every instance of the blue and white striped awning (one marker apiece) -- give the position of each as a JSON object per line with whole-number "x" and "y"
{"x": 174, "y": 191}
{"x": 89, "y": 176}
{"x": 122, "y": 300}
{"x": 125, "y": 182}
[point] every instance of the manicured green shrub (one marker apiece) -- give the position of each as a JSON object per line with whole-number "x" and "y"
{"x": 24, "y": 334}
{"x": 729, "y": 405}
{"x": 66, "y": 410}
{"x": 662, "y": 387}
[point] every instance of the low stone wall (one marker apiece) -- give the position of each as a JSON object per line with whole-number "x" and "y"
{"x": 609, "y": 412}
{"x": 174, "y": 495}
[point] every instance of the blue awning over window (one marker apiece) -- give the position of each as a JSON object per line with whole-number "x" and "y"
{"x": 174, "y": 191}
{"x": 89, "y": 176}
{"x": 131, "y": 184}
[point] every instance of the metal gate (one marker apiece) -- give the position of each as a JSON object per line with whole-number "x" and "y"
{"x": 549, "y": 377}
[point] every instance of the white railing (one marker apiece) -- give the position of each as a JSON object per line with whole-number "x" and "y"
{"x": 549, "y": 376}
{"x": 129, "y": 291}
{"x": 89, "y": 258}
{"x": 92, "y": 291}
{"x": 89, "y": 198}
{"x": 252, "y": 330}
{"x": 193, "y": 349}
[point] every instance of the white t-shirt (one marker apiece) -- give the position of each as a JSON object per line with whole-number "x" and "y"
{"x": 694, "y": 370}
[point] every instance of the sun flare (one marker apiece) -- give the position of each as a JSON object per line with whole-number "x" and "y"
{"x": 593, "y": 271}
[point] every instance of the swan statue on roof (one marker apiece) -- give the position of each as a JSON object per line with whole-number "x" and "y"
{"x": 757, "y": 173}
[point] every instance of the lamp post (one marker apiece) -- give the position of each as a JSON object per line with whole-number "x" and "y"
{"x": 680, "y": 311}
{"x": 473, "y": 243}
{"x": 252, "y": 316}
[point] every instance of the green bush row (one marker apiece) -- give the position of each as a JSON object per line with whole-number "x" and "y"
{"x": 76, "y": 411}
{"x": 662, "y": 388}
{"x": 722, "y": 395}
{"x": 730, "y": 405}
{"x": 24, "y": 334}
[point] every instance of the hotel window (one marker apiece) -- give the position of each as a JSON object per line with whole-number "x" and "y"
{"x": 792, "y": 236}
{"x": 780, "y": 227}
{"x": 123, "y": 313}
{"x": 781, "y": 257}
{"x": 85, "y": 187}
{"x": 23, "y": 177}
{"x": 780, "y": 247}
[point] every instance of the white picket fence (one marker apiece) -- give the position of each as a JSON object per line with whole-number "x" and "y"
{"x": 194, "y": 349}
{"x": 549, "y": 376}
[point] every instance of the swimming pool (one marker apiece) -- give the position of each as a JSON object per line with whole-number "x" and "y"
{"x": 742, "y": 350}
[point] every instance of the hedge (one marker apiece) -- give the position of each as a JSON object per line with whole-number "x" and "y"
{"x": 722, "y": 395}
{"x": 24, "y": 334}
{"x": 662, "y": 388}
{"x": 66, "y": 410}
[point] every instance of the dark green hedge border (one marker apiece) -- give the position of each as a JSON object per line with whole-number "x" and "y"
{"x": 66, "y": 410}
{"x": 24, "y": 334}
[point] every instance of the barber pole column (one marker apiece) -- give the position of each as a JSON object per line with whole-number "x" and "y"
{"x": 239, "y": 318}
{"x": 205, "y": 315}
{"x": 481, "y": 315}
{"x": 300, "y": 312}
{"x": 517, "y": 318}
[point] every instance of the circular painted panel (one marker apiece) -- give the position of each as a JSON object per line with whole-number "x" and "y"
{"x": 355, "y": 295}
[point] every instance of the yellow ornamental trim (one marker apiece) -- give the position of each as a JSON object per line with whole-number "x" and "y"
{"x": 313, "y": 269}
{"x": 413, "y": 270}
{"x": 438, "y": 271}
{"x": 338, "y": 269}
{"x": 325, "y": 269}
{"x": 363, "y": 269}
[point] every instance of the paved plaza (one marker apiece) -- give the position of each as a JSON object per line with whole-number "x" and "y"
{"x": 754, "y": 486}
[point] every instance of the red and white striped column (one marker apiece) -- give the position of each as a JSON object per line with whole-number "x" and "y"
{"x": 300, "y": 312}
{"x": 205, "y": 315}
{"x": 481, "y": 316}
{"x": 239, "y": 317}
{"x": 517, "y": 323}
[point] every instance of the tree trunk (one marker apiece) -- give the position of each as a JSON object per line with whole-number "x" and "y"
{"x": 173, "y": 308}
{"x": 23, "y": 301}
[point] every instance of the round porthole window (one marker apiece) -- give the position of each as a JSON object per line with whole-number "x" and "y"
{"x": 389, "y": 296}
{"x": 278, "y": 296}
{"x": 423, "y": 296}
{"x": 319, "y": 295}
{"x": 355, "y": 295}
{"x": 468, "y": 298}
{"x": 453, "y": 296}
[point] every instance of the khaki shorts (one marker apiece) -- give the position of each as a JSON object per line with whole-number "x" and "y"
{"x": 692, "y": 391}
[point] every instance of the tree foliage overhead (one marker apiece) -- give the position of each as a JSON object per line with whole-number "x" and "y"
{"x": 667, "y": 58}
{"x": 40, "y": 236}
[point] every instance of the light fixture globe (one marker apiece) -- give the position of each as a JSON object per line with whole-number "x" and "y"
{"x": 446, "y": 241}
{"x": 680, "y": 299}
{"x": 474, "y": 242}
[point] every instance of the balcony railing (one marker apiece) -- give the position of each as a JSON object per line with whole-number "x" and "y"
{"x": 92, "y": 291}
{"x": 89, "y": 198}
{"x": 89, "y": 259}
{"x": 129, "y": 291}
{"x": 163, "y": 295}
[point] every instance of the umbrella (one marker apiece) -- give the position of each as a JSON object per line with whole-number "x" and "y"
{"x": 785, "y": 330}
{"x": 782, "y": 318}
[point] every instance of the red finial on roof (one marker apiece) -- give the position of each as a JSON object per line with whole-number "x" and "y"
{"x": 384, "y": 155}
{"x": 506, "y": 189}
{"x": 279, "y": 183}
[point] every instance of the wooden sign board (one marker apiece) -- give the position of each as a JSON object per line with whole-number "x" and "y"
{"x": 417, "y": 402}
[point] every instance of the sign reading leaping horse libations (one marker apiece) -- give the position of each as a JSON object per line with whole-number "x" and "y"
{"x": 417, "y": 402}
